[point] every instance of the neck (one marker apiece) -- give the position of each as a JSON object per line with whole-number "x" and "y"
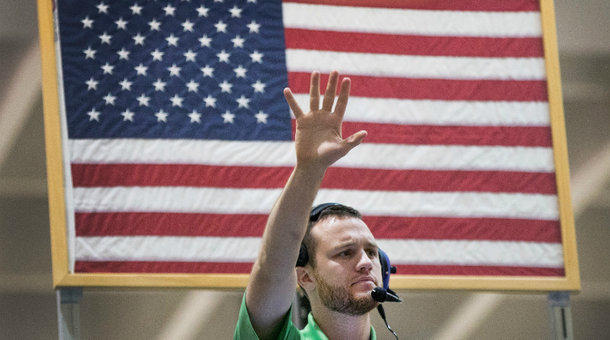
{"x": 342, "y": 326}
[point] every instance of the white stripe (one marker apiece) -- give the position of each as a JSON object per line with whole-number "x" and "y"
{"x": 405, "y": 21}
{"x": 367, "y": 155}
{"x": 260, "y": 201}
{"x": 440, "y": 112}
{"x": 407, "y": 66}
{"x": 245, "y": 249}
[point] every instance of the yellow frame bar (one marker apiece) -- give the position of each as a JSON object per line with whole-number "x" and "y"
{"x": 57, "y": 209}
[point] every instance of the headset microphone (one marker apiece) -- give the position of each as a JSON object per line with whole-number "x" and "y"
{"x": 382, "y": 295}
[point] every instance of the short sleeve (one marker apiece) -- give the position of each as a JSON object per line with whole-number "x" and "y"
{"x": 245, "y": 331}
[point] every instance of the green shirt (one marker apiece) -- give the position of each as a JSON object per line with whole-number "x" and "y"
{"x": 245, "y": 331}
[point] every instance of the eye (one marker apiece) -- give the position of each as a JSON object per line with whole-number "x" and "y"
{"x": 372, "y": 252}
{"x": 345, "y": 253}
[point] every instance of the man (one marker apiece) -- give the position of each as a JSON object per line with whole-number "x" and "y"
{"x": 343, "y": 266}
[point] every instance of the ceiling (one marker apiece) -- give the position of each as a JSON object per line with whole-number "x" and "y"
{"x": 27, "y": 300}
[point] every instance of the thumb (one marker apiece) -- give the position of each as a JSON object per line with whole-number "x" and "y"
{"x": 355, "y": 139}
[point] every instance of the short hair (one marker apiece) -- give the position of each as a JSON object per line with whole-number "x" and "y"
{"x": 334, "y": 209}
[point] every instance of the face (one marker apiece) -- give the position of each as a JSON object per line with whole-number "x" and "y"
{"x": 347, "y": 265}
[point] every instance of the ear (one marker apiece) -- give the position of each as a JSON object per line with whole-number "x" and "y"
{"x": 305, "y": 279}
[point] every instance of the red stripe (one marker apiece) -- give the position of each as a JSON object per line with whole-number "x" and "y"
{"x": 105, "y": 175}
{"x": 439, "y": 89}
{"x": 450, "y": 135}
{"x": 245, "y": 268}
{"x": 162, "y": 267}
{"x": 478, "y": 270}
{"x": 413, "y": 44}
{"x": 177, "y": 224}
{"x": 463, "y": 5}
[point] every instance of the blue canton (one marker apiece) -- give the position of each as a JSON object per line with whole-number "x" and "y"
{"x": 174, "y": 69}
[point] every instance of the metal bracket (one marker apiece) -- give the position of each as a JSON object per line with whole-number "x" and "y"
{"x": 560, "y": 315}
{"x": 68, "y": 312}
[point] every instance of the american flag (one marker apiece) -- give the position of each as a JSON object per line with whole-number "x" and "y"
{"x": 179, "y": 140}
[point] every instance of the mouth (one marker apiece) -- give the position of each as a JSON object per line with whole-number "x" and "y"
{"x": 364, "y": 280}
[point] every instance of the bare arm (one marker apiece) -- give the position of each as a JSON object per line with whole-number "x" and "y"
{"x": 318, "y": 144}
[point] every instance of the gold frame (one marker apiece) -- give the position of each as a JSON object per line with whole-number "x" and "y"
{"x": 62, "y": 277}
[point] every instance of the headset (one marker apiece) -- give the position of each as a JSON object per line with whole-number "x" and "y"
{"x": 379, "y": 294}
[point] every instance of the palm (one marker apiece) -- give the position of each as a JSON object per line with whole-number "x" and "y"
{"x": 318, "y": 133}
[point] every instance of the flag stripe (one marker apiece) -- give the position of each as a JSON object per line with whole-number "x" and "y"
{"x": 407, "y": 66}
{"x": 245, "y": 249}
{"x": 187, "y": 224}
{"x": 437, "y": 89}
{"x": 108, "y": 175}
{"x": 378, "y": 203}
{"x": 450, "y": 135}
{"x": 407, "y": 21}
{"x": 412, "y": 44}
{"x": 368, "y": 155}
{"x": 463, "y": 5}
{"x": 440, "y": 112}
{"x": 246, "y": 267}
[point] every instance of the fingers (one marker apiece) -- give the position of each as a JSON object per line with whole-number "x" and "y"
{"x": 314, "y": 91}
{"x": 331, "y": 89}
{"x": 293, "y": 103}
{"x": 343, "y": 96}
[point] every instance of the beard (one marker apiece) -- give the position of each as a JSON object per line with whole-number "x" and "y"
{"x": 340, "y": 299}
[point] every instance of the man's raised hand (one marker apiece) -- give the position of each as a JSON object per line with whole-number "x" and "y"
{"x": 318, "y": 139}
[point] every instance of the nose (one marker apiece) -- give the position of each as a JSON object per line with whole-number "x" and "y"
{"x": 365, "y": 264}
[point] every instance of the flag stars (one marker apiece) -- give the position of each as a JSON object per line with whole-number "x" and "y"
{"x": 109, "y": 99}
{"x": 161, "y": 116}
{"x": 256, "y": 57}
{"x": 89, "y": 53}
{"x": 136, "y": 9}
{"x": 210, "y": 101}
{"x": 176, "y": 100}
{"x": 172, "y": 40}
{"x": 261, "y": 117}
{"x": 127, "y": 115}
{"x": 192, "y": 86}
{"x": 223, "y": 56}
{"x": 195, "y": 117}
{"x": 187, "y": 26}
{"x": 125, "y": 84}
{"x": 190, "y": 55}
{"x": 91, "y": 84}
{"x": 207, "y": 71}
{"x": 169, "y": 10}
{"x": 102, "y": 8}
{"x": 243, "y": 102}
{"x": 225, "y": 86}
{"x": 94, "y": 115}
{"x": 174, "y": 70}
{"x": 228, "y": 117}
{"x": 240, "y": 72}
{"x": 235, "y": 12}
{"x": 138, "y": 39}
{"x": 221, "y": 26}
{"x": 238, "y": 41}
{"x": 159, "y": 85}
{"x": 105, "y": 38}
{"x": 202, "y": 11}
{"x": 205, "y": 41}
{"x": 141, "y": 69}
{"x": 154, "y": 25}
{"x": 157, "y": 55}
{"x": 143, "y": 100}
{"x": 121, "y": 24}
{"x": 87, "y": 23}
{"x": 253, "y": 27}
{"x": 123, "y": 54}
{"x": 259, "y": 86}
{"x": 107, "y": 68}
